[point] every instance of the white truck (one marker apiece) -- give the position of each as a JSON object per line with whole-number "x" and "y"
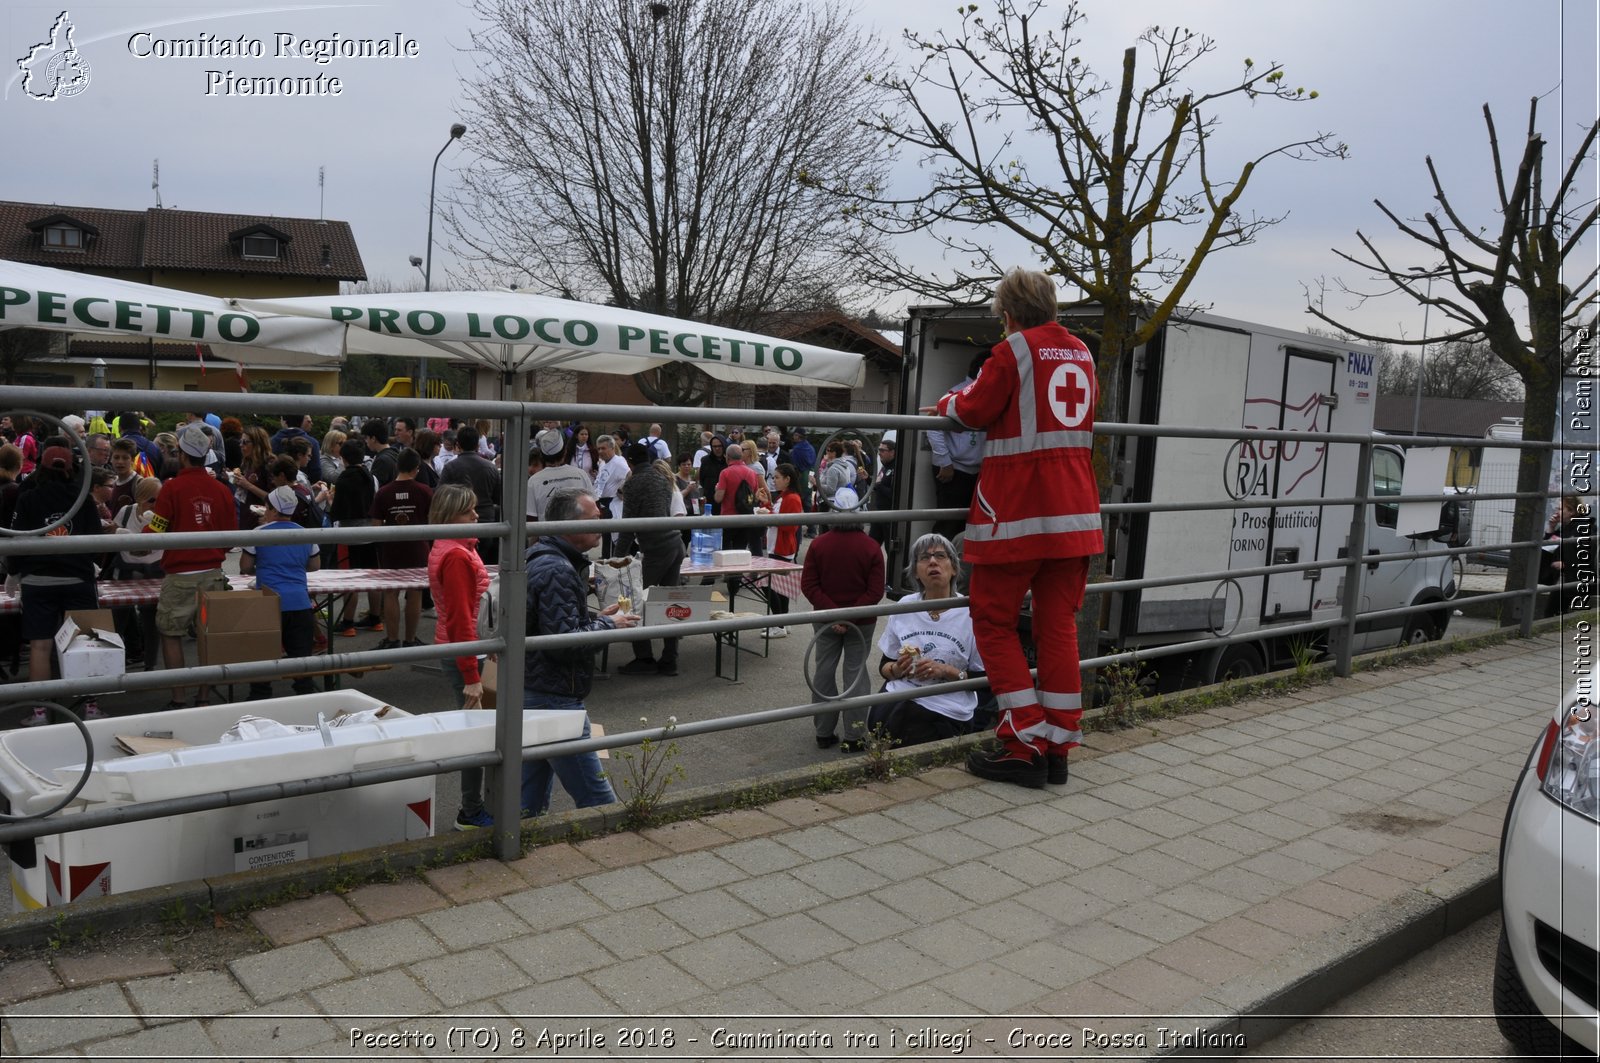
{"x": 1212, "y": 372}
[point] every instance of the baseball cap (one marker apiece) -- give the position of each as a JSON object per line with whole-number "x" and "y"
{"x": 638, "y": 454}
{"x": 550, "y": 442}
{"x": 194, "y": 442}
{"x": 57, "y": 458}
{"x": 846, "y": 498}
{"x": 283, "y": 499}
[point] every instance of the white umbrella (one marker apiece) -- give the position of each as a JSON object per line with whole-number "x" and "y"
{"x": 515, "y": 332}
{"x": 64, "y": 301}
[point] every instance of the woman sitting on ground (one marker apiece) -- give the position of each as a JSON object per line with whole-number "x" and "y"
{"x": 921, "y": 649}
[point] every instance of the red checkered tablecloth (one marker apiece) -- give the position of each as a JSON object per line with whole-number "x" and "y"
{"x": 122, "y": 592}
{"x": 782, "y": 576}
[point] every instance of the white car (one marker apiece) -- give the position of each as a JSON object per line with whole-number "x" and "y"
{"x": 1547, "y": 971}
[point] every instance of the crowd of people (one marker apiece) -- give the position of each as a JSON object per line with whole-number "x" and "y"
{"x": 214, "y": 473}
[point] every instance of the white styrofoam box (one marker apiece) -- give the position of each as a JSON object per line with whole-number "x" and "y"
{"x": 89, "y": 647}
{"x": 730, "y": 557}
{"x": 38, "y": 766}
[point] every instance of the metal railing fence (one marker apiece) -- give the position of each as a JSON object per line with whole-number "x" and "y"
{"x": 513, "y": 643}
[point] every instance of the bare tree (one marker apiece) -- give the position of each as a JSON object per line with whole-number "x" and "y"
{"x": 1492, "y": 274}
{"x": 19, "y": 346}
{"x": 668, "y": 157}
{"x": 1123, "y": 202}
{"x": 1457, "y": 370}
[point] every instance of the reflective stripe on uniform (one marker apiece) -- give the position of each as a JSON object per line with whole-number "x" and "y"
{"x": 1027, "y": 411}
{"x": 1051, "y": 699}
{"x": 1016, "y": 699}
{"x": 1056, "y": 736}
{"x": 1002, "y": 448}
{"x": 1018, "y": 529}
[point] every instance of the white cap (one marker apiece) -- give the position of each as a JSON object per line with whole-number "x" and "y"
{"x": 283, "y": 499}
{"x": 194, "y": 442}
{"x": 550, "y": 442}
{"x": 846, "y": 498}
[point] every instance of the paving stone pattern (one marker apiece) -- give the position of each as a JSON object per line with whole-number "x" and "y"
{"x": 1176, "y": 867}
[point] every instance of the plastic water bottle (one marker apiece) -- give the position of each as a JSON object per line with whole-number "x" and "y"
{"x": 702, "y": 543}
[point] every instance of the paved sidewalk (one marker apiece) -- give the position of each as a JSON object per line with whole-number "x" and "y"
{"x": 1244, "y": 860}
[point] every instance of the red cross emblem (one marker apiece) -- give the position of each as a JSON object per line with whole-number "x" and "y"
{"x": 1070, "y": 394}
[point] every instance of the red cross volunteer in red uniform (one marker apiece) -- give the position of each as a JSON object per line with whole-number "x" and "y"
{"x": 1034, "y": 523}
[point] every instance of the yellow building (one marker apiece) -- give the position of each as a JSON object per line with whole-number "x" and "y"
{"x": 256, "y": 256}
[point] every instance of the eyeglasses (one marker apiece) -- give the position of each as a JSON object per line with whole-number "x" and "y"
{"x": 934, "y": 555}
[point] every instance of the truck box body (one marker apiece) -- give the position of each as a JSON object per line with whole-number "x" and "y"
{"x": 1213, "y": 372}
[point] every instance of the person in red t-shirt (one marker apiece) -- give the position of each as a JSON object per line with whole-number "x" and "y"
{"x": 786, "y": 479}
{"x": 193, "y": 500}
{"x": 401, "y": 502}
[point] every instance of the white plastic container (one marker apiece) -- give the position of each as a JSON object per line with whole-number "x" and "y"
{"x": 39, "y": 765}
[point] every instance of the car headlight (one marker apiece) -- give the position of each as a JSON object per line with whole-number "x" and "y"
{"x": 1569, "y": 762}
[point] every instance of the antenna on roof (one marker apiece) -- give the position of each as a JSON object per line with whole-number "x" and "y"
{"x": 155, "y": 180}
{"x": 322, "y": 173}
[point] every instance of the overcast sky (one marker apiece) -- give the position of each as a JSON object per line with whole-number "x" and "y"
{"x": 1398, "y": 80}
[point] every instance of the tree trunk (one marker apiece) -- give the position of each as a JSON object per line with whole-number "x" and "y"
{"x": 1527, "y": 523}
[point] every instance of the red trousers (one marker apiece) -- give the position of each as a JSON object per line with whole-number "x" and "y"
{"x": 1046, "y": 718}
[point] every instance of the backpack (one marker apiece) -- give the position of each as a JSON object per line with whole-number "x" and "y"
{"x": 308, "y": 514}
{"x": 489, "y": 609}
{"x": 744, "y": 498}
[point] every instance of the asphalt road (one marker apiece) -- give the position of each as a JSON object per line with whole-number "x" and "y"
{"x": 1436, "y": 1005}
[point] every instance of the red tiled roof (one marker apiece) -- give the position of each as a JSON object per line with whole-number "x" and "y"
{"x": 160, "y": 239}
{"x": 189, "y": 239}
{"x": 830, "y": 329}
{"x": 117, "y": 247}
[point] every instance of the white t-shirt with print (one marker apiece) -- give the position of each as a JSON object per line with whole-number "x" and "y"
{"x": 948, "y": 640}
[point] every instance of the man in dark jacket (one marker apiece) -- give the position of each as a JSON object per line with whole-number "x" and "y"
{"x": 291, "y": 430}
{"x": 558, "y": 603}
{"x": 883, "y": 489}
{"x": 385, "y": 464}
{"x": 472, "y": 468}
{"x": 52, "y": 584}
{"x": 648, "y": 493}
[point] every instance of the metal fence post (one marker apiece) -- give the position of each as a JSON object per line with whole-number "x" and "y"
{"x": 507, "y": 804}
{"x": 1346, "y": 636}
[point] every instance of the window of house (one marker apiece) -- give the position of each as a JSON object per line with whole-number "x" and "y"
{"x": 259, "y": 246}
{"x": 833, "y": 400}
{"x": 63, "y": 238}
{"x": 771, "y": 397}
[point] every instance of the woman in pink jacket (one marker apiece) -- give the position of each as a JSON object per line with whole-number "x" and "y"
{"x": 458, "y": 579}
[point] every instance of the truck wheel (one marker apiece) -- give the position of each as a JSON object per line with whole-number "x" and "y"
{"x": 1518, "y": 1018}
{"x": 1419, "y": 629}
{"x": 1239, "y": 661}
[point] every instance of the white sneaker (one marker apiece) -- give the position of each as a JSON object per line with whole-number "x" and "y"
{"x": 35, "y": 718}
{"x": 777, "y": 632}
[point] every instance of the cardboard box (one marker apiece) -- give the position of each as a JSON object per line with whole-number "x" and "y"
{"x": 236, "y": 627}
{"x": 730, "y": 557}
{"x": 681, "y": 605}
{"x": 88, "y": 645}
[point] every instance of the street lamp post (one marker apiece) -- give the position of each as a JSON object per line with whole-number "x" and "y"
{"x": 456, "y": 130}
